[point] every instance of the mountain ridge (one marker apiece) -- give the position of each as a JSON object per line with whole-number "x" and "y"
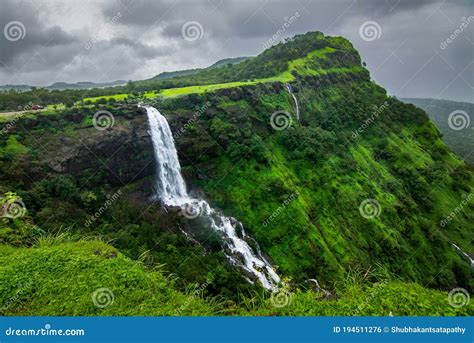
{"x": 185, "y": 72}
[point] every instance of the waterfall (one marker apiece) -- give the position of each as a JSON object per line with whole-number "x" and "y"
{"x": 464, "y": 254}
{"x": 290, "y": 90}
{"x": 172, "y": 192}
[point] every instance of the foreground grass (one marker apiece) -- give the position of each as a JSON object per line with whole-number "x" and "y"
{"x": 93, "y": 278}
{"x": 304, "y": 66}
{"x": 61, "y": 279}
{"x": 380, "y": 299}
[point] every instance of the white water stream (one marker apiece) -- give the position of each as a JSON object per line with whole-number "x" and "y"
{"x": 172, "y": 192}
{"x": 465, "y": 254}
{"x": 290, "y": 90}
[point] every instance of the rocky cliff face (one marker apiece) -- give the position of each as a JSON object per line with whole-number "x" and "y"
{"x": 69, "y": 143}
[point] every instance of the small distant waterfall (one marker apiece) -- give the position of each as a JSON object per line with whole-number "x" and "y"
{"x": 465, "y": 254}
{"x": 172, "y": 192}
{"x": 290, "y": 90}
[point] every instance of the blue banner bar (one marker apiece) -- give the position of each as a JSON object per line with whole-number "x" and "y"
{"x": 236, "y": 329}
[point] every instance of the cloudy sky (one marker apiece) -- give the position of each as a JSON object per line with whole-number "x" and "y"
{"x": 414, "y": 48}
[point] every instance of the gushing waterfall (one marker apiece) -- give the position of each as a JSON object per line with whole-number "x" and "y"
{"x": 172, "y": 192}
{"x": 290, "y": 90}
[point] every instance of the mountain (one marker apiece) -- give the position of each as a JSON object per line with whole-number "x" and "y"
{"x": 64, "y": 93}
{"x": 458, "y": 130}
{"x": 65, "y": 85}
{"x": 20, "y": 88}
{"x": 221, "y": 63}
{"x": 358, "y": 198}
{"x": 85, "y": 85}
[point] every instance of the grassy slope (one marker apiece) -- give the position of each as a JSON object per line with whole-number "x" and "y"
{"x": 378, "y": 299}
{"x": 59, "y": 278}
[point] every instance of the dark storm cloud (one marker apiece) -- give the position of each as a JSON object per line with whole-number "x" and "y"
{"x": 391, "y": 7}
{"x": 140, "y": 12}
{"x": 140, "y": 50}
{"x": 68, "y": 41}
{"x": 36, "y": 33}
{"x": 247, "y": 18}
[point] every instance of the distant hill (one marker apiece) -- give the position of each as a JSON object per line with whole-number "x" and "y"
{"x": 227, "y": 61}
{"x": 85, "y": 85}
{"x": 186, "y": 72}
{"x": 65, "y": 85}
{"x": 21, "y": 88}
{"x": 88, "y": 84}
{"x": 461, "y": 141}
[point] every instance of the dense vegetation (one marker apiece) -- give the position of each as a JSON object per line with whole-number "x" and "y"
{"x": 298, "y": 192}
{"x": 400, "y": 161}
